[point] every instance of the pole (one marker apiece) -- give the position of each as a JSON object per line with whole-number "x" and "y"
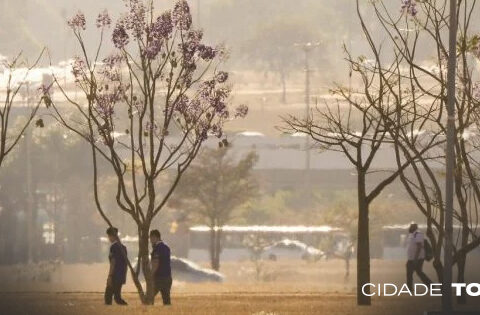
{"x": 447, "y": 306}
{"x": 350, "y": 15}
{"x": 31, "y": 218}
{"x": 307, "y": 49}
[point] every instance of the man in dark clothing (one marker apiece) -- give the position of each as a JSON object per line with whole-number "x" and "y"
{"x": 161, "y": 271}
{"x": 117, "y": 274}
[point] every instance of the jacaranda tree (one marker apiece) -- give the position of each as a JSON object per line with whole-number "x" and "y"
{"x": 146, "y": 109}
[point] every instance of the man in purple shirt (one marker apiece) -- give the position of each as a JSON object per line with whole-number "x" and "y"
{"x": 117, "y": 274}
{"x": 161, "y": 270}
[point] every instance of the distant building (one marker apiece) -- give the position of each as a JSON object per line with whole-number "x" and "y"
{"x": 233, "y": 238}
{"x": 394, "y": 240}
{"x": 281, "y": 163}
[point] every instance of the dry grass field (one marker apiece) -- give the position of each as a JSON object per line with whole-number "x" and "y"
{"x": 255, "y": 303}
{"x": 288, "y": 287}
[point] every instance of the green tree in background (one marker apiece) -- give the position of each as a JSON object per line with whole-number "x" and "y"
{"x": 214, "y": 187}
{"x": 273, "y": 49}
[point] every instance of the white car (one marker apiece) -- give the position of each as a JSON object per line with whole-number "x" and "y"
{"x": 291, "y": 249}
{"x": 188, "y": 271}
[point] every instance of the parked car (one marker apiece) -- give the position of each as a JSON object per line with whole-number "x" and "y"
{"x": 188, "y": 271}
{"x": 291, "y": 249}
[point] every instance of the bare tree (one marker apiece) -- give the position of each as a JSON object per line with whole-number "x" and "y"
{"x": 351, "y": 125}
{"x": 256, "y": 245}
{"x": 419, "y": 128}
{"x": 214, "y": 187}
{"x": 147, "y": 109}
{"x": 16, "y": 73}
{"x": 406, "y": 97}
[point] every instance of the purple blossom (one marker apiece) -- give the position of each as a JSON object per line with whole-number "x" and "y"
{"x": 113, "y": 60}
{"x": 241, "y": 111}
{"x": 181, "y": 15}
{"x": 206, "y": 52}
{"x": 78, "y": 68}
{"x": 106, "y": 101}
{"x": 214, "y": 97}
{"x": 409, "y": 6}
{"x": 204, "y": 111}
{"x": 221, "y": 77}
{"x": 190, "y": 109}
{"x": 189, "y": 69}
{"x": 105, "y": 105}
{"x": 152, "y": 49}
{"x": 162, "y": 28}
{"x": 182, "y": 104}
{"x": 119, "y": 36}
{"x": 207, "y": 89}
{"x": 202, "y": 129}
{"x": 190, "y": 45}
{"x": 103, "y": 19}
{"x": 156, "y": 34}
{"x": 111, "y": 68}
{"x": 218, "y": 100}
{"x": 135, "y": 21}
{"x": 77, "y": 22}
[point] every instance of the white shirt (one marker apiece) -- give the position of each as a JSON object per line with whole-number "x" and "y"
{"x": 413, "y": 239}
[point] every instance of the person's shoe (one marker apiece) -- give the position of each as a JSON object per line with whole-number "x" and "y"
{"x": 122, "y": 303}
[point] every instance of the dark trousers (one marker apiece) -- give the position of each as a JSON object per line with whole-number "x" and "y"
{"x": 114, "y": 290}
{"x": 416, "y": 266}
{"x": 163, "y": 286}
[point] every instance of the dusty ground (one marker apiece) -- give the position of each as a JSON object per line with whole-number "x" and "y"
{"x": 288, "y": 287}
{"x": 221, "y": 303}
{"x": 281, "y": 276}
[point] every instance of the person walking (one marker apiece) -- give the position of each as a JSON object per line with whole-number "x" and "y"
{"x": 117, "y": 274}
{"x": 161, "y": 270}
{"x": 416, "y": 256}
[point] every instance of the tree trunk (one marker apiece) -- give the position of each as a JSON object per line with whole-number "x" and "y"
{"x": 363, "y": 246}
{"x": 74, "y": 240}
{"x": 212, "y": 246}
{"x": 461, "y": 262}
{"x": 145, "y": 297}
{"x": 218, "y": 249}
{"x": 347, "y": 268}
{"x": 438, "y": 266}
{"x": 436, "y": 241}
{"x": 8, "y": 226}
{"x": 284, "y": 86}
{"x": 143, "y": 238}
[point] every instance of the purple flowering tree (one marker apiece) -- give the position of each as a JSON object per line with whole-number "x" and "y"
{"x": 147, "y": 109}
